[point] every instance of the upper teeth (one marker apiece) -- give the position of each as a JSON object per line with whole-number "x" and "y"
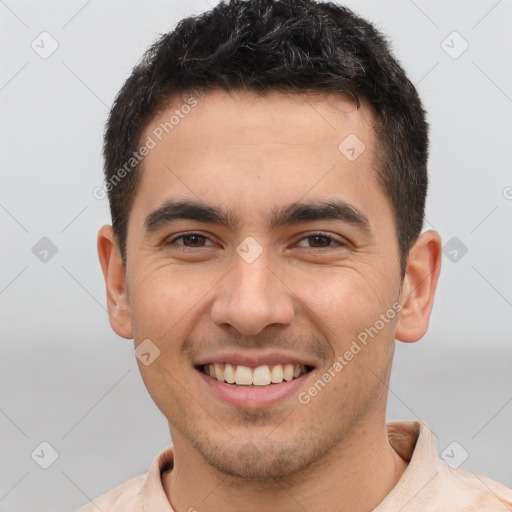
{"x": 258, "y": 376}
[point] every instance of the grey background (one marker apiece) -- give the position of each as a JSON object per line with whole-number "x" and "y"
{"x": 67, "y": 379}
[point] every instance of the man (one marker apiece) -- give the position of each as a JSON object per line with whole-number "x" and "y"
{"x": 266, "y": 170}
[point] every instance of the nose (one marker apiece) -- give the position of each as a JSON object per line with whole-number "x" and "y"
{"x": 252, "y": 297}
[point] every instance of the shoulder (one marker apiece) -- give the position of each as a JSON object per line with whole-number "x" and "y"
{"x": 126, "y": 497}
{"x": 475, "y": 492}
{"x": 144, "y": 492}
{"x": 429, "y": 483}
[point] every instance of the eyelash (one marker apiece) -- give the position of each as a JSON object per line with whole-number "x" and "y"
{"x": 309, "y": 235}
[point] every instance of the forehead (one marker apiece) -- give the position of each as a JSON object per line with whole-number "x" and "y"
{"x": 246, "y": 149}
{"x": 314, "y": 118}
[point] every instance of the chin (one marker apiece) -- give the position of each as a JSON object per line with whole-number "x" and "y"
{"x": 262, "y": 458}
{"x": 255, "y": 464}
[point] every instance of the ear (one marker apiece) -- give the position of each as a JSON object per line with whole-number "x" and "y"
{"x": 419, "y": 286}
{"x": 115, "y": 282}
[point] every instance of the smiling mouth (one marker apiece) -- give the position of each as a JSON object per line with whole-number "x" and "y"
{"x": 259, "y": 376}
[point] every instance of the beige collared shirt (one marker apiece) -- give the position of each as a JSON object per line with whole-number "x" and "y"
{"x": 428, "y": 484}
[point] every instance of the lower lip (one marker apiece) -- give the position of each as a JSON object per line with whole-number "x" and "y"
{"x": 254, "y": 398}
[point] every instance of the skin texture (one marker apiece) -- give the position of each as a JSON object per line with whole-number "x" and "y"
{"x": 306, "y": 296}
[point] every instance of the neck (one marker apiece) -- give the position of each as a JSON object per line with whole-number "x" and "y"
{"x": 356, "y": 475}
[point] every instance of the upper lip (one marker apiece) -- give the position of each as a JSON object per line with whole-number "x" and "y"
{"x": 248, "y": 358}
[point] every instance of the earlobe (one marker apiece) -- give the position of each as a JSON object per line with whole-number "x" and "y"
{"x": 419, "y": 286}
{"x": 115, "y": 283}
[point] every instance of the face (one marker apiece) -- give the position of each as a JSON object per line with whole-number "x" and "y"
{"x": 255, "y": 241}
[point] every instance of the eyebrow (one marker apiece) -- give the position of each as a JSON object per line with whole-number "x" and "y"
{"x": 294, "y": 213}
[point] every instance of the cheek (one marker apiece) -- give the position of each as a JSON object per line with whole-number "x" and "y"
{"x": 165, "y": 297}
{"x": 345, "y": 300}
{"x": 162, "y": 311}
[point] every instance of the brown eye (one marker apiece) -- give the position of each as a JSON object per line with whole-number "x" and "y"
{"x": 190, "y": 240}
{"x": 195, "y": 240}
{"x": 320, "y": 241}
